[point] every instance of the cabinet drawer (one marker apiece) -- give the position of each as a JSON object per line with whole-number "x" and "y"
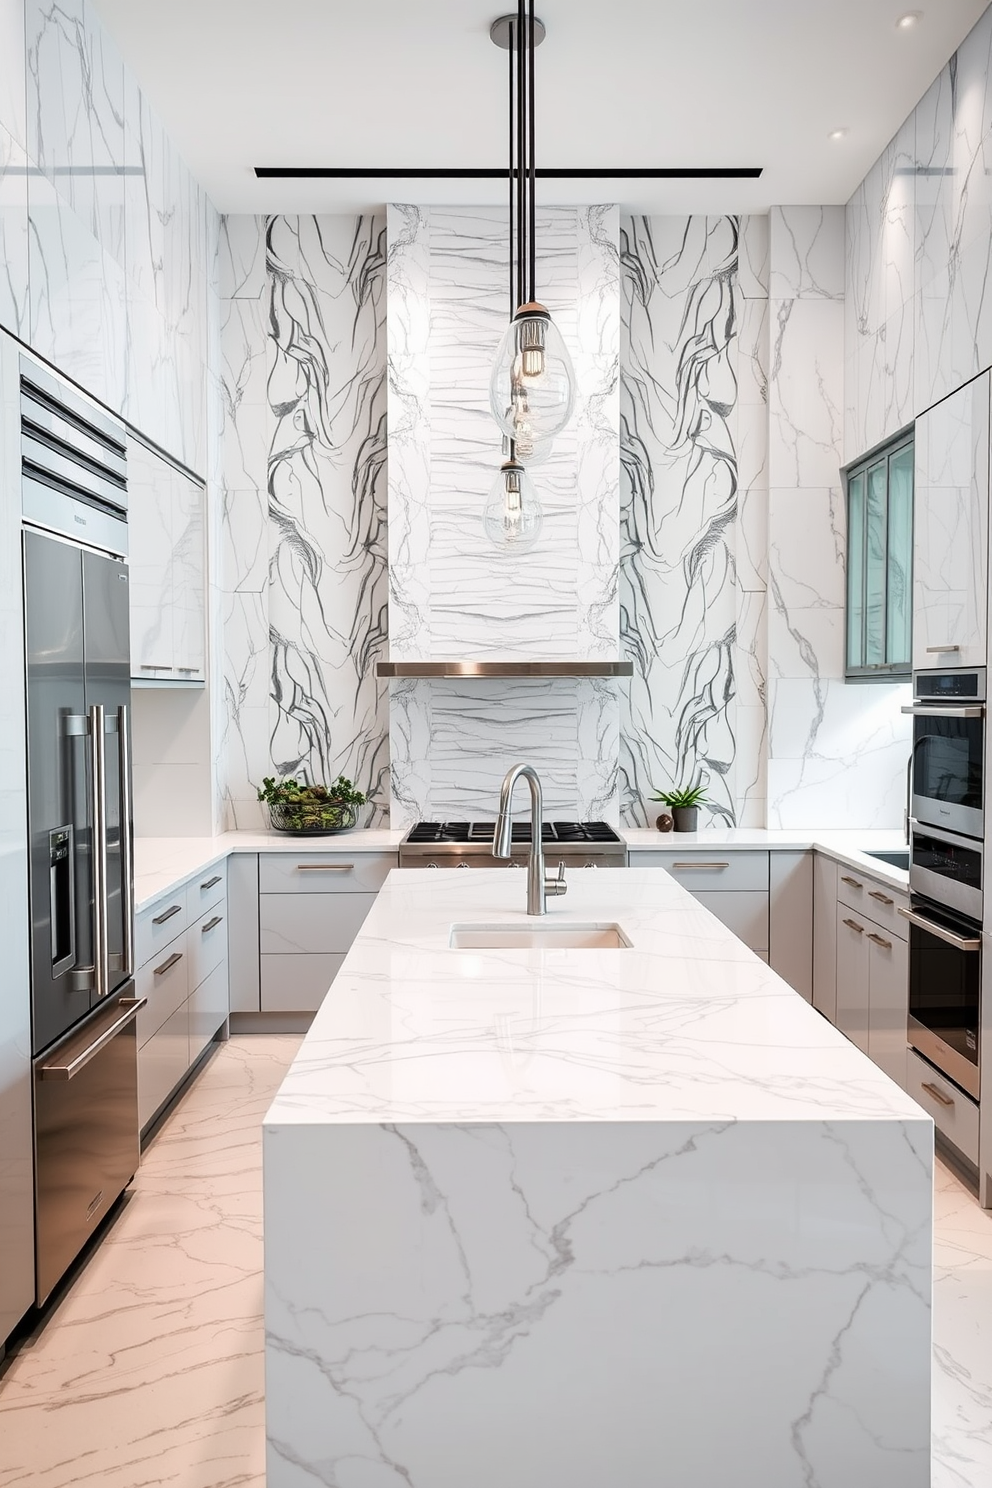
{"x": 745, "y": 912}
{"x": 206, "y": 890}
{"x": 710, "y": 869}
{"x": 955, "y": 1116}
{"x": 878, "y": 901}
{"x": 207, "y": 941}
{"x": 293, "y": 923}
{"x": 208, "y": 1008}
{"x": 309, "y": 872}
{"x": 297, "y": 984}
{"x": 162, "y": 1063}
{"x": 159, "y": 923}
{"x": 164, "y": 980}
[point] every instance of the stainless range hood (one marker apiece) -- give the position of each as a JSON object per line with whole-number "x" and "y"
{"x": 463, "y": 669}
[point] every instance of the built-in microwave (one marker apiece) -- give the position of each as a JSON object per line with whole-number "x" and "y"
{"x": 947, "y": 767}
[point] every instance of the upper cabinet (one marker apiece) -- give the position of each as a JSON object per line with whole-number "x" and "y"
{"x": 167, "y": 560}
{"x": 950, "y": 547}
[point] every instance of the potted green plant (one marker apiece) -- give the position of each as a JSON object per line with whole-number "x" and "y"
{"x": 311, "y": 810}
{"x": 683, "y": 805}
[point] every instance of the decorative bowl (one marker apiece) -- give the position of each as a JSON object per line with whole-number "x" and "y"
{"x": 312, "y": 818}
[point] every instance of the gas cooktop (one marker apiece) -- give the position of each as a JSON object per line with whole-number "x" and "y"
{"x": 464, "y": 844}
{"x": 484, "y": 832}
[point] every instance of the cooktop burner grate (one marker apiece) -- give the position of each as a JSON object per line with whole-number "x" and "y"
{"x": 484, "y": 832}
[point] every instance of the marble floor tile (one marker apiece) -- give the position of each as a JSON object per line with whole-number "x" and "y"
{"x": 149, "y": 1370}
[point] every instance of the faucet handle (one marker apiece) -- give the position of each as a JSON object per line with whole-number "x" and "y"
{"x": 556, "y": 886}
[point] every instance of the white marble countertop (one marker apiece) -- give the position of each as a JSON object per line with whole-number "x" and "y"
{"x": 162, "y": 862}
{"x": 686, "y": 1024}
{"x": 848, "y": 845}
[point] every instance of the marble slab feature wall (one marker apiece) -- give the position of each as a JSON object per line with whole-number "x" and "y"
{"x": 693, "y": 507}
{"x": 919, "y": 229}
{"x": 452, "y": 742}
{"x": 304, "y": 524}
{"x": 451, "y": 594}
{"x": 837, "y": 752}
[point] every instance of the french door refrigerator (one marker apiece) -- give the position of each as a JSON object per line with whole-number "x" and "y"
{"x": 79, "y": 816}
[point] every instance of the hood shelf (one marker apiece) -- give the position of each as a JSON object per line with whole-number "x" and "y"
{"x": 463, "y": 669}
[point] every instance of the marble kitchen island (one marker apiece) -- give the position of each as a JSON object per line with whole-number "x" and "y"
{"x": 570, "y": 1218}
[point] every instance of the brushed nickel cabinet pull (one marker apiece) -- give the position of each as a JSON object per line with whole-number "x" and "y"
{"x": 211, "y": 924}
{"x": 155, "y": 666}
{"x": 167, "y": 914}
{"x": 939, "y": 651}
{"x": 885, "y": 944}
{"x": 945, "y": 1100}
{"x": 855, "y": 926}
{"x": 217, "y": 877}
{"x": 168, "y": 965}
{"x": 187, "y": 669}
{"x": 700, "y": 865}
{"x": 852, "y": 881}
{"x": 324, "y": 867}
{"x": 882, "y": 898}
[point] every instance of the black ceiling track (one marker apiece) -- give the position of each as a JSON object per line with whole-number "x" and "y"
{"x": 406, "y": 173}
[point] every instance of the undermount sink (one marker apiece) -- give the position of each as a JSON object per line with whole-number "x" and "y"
{"x": 897, "y": 858}
{"x": 528, "y": 937}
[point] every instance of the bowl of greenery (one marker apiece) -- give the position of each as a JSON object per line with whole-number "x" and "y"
{"x": 311, "y": 810}
{"x": 684, "y": 805}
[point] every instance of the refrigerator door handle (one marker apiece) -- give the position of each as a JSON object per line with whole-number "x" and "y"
{"x": 127, "y": 845}
{"x": 97, "y": 976}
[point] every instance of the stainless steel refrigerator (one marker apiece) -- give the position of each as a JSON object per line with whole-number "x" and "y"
{"x": 79, "y": 815}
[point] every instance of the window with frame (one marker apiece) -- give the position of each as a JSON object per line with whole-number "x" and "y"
{"x": 880, "y": 563}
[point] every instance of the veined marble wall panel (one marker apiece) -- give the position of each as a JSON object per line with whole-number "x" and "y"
{"x": 13, "y": 96}
{"x": 835, "y": 753}
{"x": 75, "y": 114}
{"x": 919, "y": 228}
{"x": 451, "y": 743}
{"x": 451, "y": 594}
{"x": 78, "y": 297}
{"x": 14, "y": 299}
{"x": 304, "y": 566}
{"x": 682, "y": 593}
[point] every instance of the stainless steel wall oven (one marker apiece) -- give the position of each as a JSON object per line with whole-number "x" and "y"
{"x": 948, "y": 759}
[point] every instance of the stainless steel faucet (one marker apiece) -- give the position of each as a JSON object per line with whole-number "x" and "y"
{"x": 539, "y": 885}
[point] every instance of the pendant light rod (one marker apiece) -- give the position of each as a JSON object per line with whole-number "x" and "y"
{"x": 519, "y": 162}
{"x": 531, "y": 163}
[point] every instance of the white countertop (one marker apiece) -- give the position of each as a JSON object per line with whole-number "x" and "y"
{"x": 848, "y": 845}
{"x": 162, "y": 862}
{"x": 687, "y": 1024}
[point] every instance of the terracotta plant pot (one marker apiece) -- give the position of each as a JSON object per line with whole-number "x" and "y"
{"x": 685, "y": 818}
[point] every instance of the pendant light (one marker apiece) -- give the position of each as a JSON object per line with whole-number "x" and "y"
{"x": 532, "y": 386}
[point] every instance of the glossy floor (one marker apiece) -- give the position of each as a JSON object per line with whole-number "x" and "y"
{"x": 150, "y": 1369}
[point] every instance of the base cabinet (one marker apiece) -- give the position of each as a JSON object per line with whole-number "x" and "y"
{"x": 872, "y": 966}
{"x": 185, "y": 982}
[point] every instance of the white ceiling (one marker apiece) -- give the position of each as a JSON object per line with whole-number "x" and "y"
{"x": 382, "y": 83}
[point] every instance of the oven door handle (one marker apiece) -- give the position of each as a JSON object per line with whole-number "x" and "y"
{"x": 939, "y": 710}
{"x": 959, "y": 942}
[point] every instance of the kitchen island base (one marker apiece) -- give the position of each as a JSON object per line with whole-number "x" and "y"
{"x": 700, "y": 1305}
{"x": 551, "y": 1217}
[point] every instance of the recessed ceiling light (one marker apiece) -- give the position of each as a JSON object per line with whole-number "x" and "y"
{"x": 837, "y": 134}
{"x": 909, "y": 20}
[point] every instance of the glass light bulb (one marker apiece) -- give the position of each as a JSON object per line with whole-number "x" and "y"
{"x": 532, "y": 381}
{"x": 530, "y": 447}
{"x": 512, "y": 516}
